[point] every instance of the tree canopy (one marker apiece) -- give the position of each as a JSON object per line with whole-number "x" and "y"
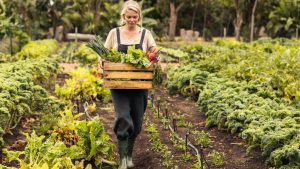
{"x": 279, "y": 18}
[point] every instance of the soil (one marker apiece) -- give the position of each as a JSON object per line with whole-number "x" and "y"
{"x": 231, "y": 145}
{"x": 144, "y": 157}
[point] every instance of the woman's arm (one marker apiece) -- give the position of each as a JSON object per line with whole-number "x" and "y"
{"x": 150, "y": 43}
{"x": 152, "y": 52}
{"x": 109, "y": 42}
{"x": 152, "y": 49}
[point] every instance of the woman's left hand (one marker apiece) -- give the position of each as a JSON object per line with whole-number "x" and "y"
{"x": 153, "y": 56}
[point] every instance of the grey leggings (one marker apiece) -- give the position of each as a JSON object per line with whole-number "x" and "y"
{"x": 130, "y": 105}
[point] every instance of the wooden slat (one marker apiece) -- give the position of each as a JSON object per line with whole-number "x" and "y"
{"x": 123, "y": 66}
{"x": 128, "y": 75}
{"x": 113, "y": 84}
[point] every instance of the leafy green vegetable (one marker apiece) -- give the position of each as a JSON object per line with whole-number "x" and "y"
{"x": 54, "y": 152}
{"x": 133, "y": 56}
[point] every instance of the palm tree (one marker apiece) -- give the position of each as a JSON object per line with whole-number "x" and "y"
{"x": 284, "y": 19}
{"x": 147, "y": 21}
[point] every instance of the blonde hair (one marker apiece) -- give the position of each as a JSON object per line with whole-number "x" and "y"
{"x": 134, "y": 6}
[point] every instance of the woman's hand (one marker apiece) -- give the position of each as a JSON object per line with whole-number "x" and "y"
{"x": 153, "y": 56}
{"x": 100, "y": 67}
{"x": 100, "y": 63}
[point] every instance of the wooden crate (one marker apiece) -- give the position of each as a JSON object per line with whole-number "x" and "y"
{"x": 126, "y": 76}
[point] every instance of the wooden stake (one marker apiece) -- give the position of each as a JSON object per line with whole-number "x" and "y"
{"x": 158, "y": 107}
{"x": 186, "y": 142}
{"x": 152, "y": 99}
{"x": 174, "y": 125}
{"x": 202, "y": 157}
{"x": 166, "y": 113}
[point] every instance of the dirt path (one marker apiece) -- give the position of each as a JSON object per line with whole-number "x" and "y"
{"x": 222, "y": 140}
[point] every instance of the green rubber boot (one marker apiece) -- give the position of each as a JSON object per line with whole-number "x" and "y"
{"x": 122, "y": 145}
{"x": 129, "y": 153}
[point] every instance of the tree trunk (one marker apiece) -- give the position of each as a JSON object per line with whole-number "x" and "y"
{"x": 23, "y": 16}
{"x": 204, "y": 21}
{"x": 53, "y": 16}
{"x": 97, "y": 10}
{"x": 252, "y": 20}
{"x": 238, "y": 20}
{"x": 194, "y": 15}
{"x": 173, "y": 20}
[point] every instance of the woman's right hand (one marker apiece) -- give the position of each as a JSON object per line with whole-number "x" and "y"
{"x": 100, "y": 67}
{"x": 100, "y": 63}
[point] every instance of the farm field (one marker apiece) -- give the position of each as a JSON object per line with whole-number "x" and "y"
{"x": 149, "y": 84}
{"x": 224, "y": 104}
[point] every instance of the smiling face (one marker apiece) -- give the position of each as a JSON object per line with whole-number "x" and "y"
{"x": 131, "y": 18}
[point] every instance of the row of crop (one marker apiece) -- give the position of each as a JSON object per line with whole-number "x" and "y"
{"x": 250, "y": 103}
{"x": 70, "y": 142}
{"x": 69, "y": 145}
{"x": 263, "y": 122}
{"x": 20, "y": 94}
{"x": 171, "y": 55}
{"x": 68, "y": 139}
{"x": 249, "y": 108}
{"x": 83, "y": 86}
{"x": 189, "y": 53}
{"x": 77, "y": 53}
{"x": 253, "y": 108}
{"x": 195, "y": 52}
{"x": 190, "y": 79}
{"x": 32, "y": 50}
{"x": 274, "y": 64}
{"x": 191, "y": 144}
{"x": 37, "y": 49}
{"x": 22, "y": 82}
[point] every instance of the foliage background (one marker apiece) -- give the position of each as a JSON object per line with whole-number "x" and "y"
{"x": 280, "y": 18}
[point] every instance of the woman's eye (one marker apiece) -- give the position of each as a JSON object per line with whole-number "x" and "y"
{"x": 131, "y": 17}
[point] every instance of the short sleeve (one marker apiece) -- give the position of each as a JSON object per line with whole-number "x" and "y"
{"x": 109, "y": 43}
{"x": 150, "y": 40}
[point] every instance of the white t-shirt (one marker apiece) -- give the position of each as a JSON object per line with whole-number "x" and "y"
{"x": 112, "y": 42}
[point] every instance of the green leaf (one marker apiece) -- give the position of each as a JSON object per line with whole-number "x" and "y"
{"x": 12, "y": 155}
{"x": 289, "y": 22}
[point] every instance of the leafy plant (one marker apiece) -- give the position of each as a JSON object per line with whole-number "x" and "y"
{"x": 35, "y": 49}
{"x": 217, "y": 158}
{"x": 72, "y": 140}
{"x": 158, "y": 145}
{"x": 186, "y": 157}
{"x": 202, "y": 138}
{"x": 20, "y": 92}
{"x": 85, "y": 55}
{"x": 133, "y": 56}
{"x": 83, "y": 86}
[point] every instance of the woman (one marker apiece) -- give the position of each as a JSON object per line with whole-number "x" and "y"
{"x": 130, "y": 105}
